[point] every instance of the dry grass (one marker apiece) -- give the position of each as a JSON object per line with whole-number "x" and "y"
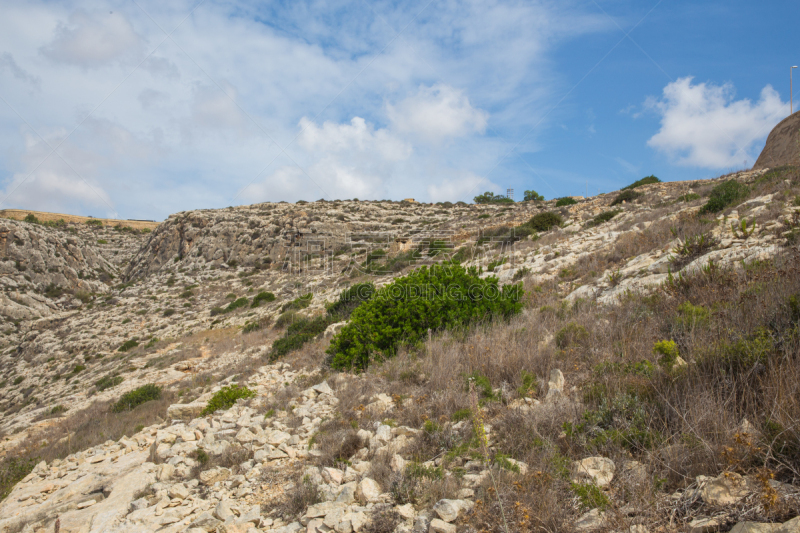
{"x": 743, "y": 349}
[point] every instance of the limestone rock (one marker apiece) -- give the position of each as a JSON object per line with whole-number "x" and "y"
{"x": 599, "y": 469}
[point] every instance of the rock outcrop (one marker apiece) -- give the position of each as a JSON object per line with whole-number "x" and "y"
{"x": 783, "y": 145}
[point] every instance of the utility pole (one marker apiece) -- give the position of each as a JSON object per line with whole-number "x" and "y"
{"x": 791, "y": 89}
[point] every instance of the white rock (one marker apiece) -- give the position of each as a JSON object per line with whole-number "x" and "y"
{"x": 440, "y": 526}
{"x": 369, "y": 490}
{"x": 179, "y": 491}
{"x": 600, "y": 469}
{"x": 448, "y": 510}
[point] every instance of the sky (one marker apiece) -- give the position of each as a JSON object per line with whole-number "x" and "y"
{"x": 140, "y": 109}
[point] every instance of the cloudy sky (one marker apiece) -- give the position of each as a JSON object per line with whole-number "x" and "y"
{"x": 139, "y": 109}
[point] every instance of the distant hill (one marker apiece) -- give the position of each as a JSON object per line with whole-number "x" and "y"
{"x": 20, "y": 214}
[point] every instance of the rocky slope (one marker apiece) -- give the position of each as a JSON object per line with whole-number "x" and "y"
{"x": 155, "y": 308}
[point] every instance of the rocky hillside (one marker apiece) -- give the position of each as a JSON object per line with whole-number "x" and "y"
{"x": 120, "y": 348}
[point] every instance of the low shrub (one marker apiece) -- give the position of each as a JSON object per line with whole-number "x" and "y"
{"x": 136, "y": 397}
{"x": 603, "y": 217}
{"x": 262, "y": 297}
{"x": 128, "y": 345}
{"x": 590, "y": 496}
{"x": 644, "y": 181}
{"x": 724, "y": 195}
{"x": 298, "y": 303}
{"x": 226, "y": 397}
{"x": 94, "y": 222}
{"x": 625, "y": 196}
{"x": 106, "y": 382}
{"x": 571, "y": 334}
{"x": 13, "y": 470}
{"x": 297, "y": 334}
{"x": 544, "y": 221}
{"x": 490, "y": 198}
{"x": 439, "y": 297}
{"x": 567, "y": 200}
{"x": 668, "y": 350}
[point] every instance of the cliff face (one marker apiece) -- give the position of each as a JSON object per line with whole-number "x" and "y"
{"x": 783, "y": 145}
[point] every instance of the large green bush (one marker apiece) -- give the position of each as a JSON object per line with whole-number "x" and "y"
{"x": 137, "y": 397}
{"x": 724, "y": 195}
{"x": 442, "y": 296}
{"x": 544, "y": 221}
{"x": 226, "y": 397}
{"x": 264, "y": 297}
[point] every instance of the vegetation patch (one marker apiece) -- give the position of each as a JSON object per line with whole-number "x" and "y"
{"x": 644, "y": 181}
{"x": 567, "y": 200}
{"x": 491, "y": 198}
{"x": 349, "y": 299}
{"x": 724, "y": 195}
{"x": 625, "y": 196}
{"x": 128, "y": 345}
{"x": 136, "y": 397}
{"x": 602, "y": 218}
{"x": 544, "y": 221}
{"x": 226, "y": 397}
{"x": 262, "y": 297}
{"x": 432, "y": 298}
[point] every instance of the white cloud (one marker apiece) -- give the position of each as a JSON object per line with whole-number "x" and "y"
{"x": 357, "y": 136}
{"x": 56, "y": 183}
{"x": 437, "y": 113}
{"x": 463, "y": 187}
{"x": 93, "y": 40}
{"x": 388, "y": 127}
{"x": 702, "y": 125}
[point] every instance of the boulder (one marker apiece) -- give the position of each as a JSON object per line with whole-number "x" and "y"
{"x": 448, "y": 510}
{"x": 368, "y": 490}
{"x": 440, "y": 526}
{"x": 600, "y": 469}
{"x": 725, "y": 489}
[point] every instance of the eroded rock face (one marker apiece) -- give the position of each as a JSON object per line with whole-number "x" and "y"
{"x": 40, "y": 268}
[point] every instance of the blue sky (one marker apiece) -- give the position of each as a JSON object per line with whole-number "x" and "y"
{"x": 141, "y": 109}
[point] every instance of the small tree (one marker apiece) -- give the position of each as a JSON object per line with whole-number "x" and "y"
{"x": 491, "y": 198}
{"x": 533, "y": 196}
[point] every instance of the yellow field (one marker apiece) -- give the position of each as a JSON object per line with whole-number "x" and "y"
{"x": 19, "y": 214}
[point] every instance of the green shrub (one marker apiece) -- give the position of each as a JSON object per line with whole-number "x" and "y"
{"x": 13, "y": 470}
{"x": 496, "y": 263}
{"x": 136, "y": 397}
{"x": 168, "y": 312}
{"x": 668, "y": 350}
{"x": 288, "y": 318}
{"x": 544, "y": 221}
{"x": 18, "y": 380}
{"x": 603, "y": 217}
{"x": 262, "y": 297}
{"x": 236, "y": 304}
{"x": 58, "y": 409}
{"x": 590, "y": 496}
{"x": 567, "y": 200}
{"x": 298, "y": 303}
{"x": 297, "y": 334}
{"x": 226, "y": 397}
{"x": 94, "y": 222}
{"x": 106, "y": 382}
{"x": 625, "y": 196}
{"x": 724, "y": 195}
{"x": 483, "y": 387}
{"x": 128, "y": 345}
{"x": 644, "y": 181}
{"x": 529, "y": 384}
{"x": 349, "y": 299}
{"x": 690, "y": 316}
{"x": 744, "y": 354}
{"x": 439, "y": 297}
{"x": 186, "y": 294}
{"x": 571, "y": 334}
{"x": 102, "y": 241}
{"x": 688, "y": 197}
{"x": 622, "y": 420}
{"x": 461, "y": 414}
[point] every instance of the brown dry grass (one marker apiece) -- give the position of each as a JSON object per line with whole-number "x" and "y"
{"x": 676, "y": 424}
